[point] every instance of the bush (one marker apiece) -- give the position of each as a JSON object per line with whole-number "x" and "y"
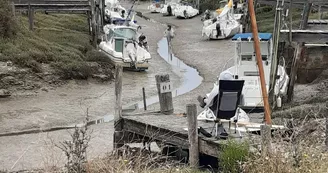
{"x": 232, "y": 155}
{"x": 8, "y": 23}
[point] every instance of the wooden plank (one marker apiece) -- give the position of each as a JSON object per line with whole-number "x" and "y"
{"x": 166, "y": 135}
{"x": 165, "y": 99}
{"x": 308, "y": 37}
{"x": 193, "y": 135}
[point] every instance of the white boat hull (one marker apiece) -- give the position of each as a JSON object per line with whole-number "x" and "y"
{"x": 227, "y": 30}
{"x": 185, "y": 11}
{"x": 127, "y": 64}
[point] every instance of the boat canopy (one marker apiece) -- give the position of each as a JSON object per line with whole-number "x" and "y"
{"x": 246, "y": 36}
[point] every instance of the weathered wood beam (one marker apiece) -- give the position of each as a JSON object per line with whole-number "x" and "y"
{"x": 118, "y": 122}
{"x": 193, "y": 135}
{"x": 164, "y": 89}
{"x": 166, "y": 136}
{"x": 297, "y": 57}
{"x": 307, "y": 36}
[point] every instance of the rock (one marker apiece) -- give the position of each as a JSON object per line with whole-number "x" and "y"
{"x": 9, "y": 63}
{"x": 101, "y": 77}
{"x": 8, "y": 80}
{"x": 44, "y": 89}
{"x": 4, "y": 93}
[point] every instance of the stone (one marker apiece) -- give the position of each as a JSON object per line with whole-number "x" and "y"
{"x": 44, "y": 89}
{"x": 8, "y": 80}
{"x": 4, "y": 93}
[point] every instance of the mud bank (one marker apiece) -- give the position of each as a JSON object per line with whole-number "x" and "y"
{"x": 67, "y": 105}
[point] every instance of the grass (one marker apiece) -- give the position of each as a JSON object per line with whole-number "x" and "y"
{"x": 61, "y": 40}
{"x": 232, "y": 155}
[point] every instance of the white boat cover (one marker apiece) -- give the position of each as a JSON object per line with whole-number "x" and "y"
{"x": 185, "y": 11}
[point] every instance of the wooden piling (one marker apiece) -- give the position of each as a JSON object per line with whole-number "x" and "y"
{"x": 144, "y": 98}
{"x": 326, "y": 140}
{"x": 164, "y": 88}
{"x": 118, "y": 107}
{"x": 298, "y": 49}
{"x": 13, "y": 8}
{"x": 266, "y": 140}
{"x": 193, "y": 135}
{"x": 30, "y": 16}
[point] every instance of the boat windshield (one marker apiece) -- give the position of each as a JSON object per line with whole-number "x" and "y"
{"x": 127, "y": 33}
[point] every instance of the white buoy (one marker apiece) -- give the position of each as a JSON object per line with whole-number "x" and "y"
{"x": 279, "y": 102}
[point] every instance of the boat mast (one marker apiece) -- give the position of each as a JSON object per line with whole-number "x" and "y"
{"x": 267, "y": 112}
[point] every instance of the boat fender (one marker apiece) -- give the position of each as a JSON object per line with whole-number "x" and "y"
{"x": 279, "y": 102}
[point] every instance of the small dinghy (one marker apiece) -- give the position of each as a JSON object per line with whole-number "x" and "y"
{"x": 116, "y": 14}
{"x": 245, "y": 68}
{"x": 185, "y": 11}
{"x": 223, "y": 26}
{"x": 125, "y": 46}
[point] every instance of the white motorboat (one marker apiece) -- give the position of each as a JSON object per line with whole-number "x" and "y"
{"x": 185, "y": 11}
{"x": 125, "y": 46}
{"x": 223, "y": 26}
{"x": 169, "y": 7}
{"x": 246, "y": 68}
{"x": 155, "y": 7}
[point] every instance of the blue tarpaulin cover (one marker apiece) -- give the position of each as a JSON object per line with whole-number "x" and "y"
{"x": 245, "y": 36}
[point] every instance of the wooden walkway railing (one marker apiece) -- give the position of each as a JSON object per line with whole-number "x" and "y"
{"x": 94, "y": 9}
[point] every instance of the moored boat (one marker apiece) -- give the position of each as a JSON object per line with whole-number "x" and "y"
{"x": 126, "y": 47}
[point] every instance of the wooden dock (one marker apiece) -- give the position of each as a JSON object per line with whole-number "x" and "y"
{"x": 178, "y": 130}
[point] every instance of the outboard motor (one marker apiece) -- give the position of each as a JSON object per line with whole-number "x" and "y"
{"x": 143, "y": 42}
{"x": 122, "y": 13}
{"x": 218, "y": 30}
{"x": 169, "y": 10}
{"x": 185, "y": 13}
{"x": 207, "y": 15}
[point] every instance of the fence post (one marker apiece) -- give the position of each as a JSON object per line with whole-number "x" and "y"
{"x": 193, "y": 135}
{"x": 266, "y": 139}
{"x": 118, "y": 108}
{"x": 164, "y": 89}
{"x": 30, "y": 16}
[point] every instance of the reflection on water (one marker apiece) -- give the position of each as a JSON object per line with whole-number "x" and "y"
{"x": 191, "y": 79}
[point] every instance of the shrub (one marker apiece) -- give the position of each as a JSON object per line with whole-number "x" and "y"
{"x": 232, "y": 154}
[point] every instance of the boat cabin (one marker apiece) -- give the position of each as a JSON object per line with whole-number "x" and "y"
{"x": 120, "y": 35}
{"x": 246, "y": 65}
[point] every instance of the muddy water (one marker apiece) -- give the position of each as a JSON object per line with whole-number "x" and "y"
{"x": 191, "y": 79}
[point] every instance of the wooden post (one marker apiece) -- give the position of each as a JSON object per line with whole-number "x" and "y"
{"x": 13, "y": 8}
{"x": 118, "y": 107}
{"x": 144, "y": 98}
{"x": 30, "y": 16}
{"x": 326, "y": 141}
{"x": 93, "y": 23}
{"x": 193, "y": 135}
{"x": 298, "y": 49}
{"x": 290, "y": 22}
{"x": 267, "y": 111}
{"x": 266, "y": 140}
{"x": 164, "y": 89}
